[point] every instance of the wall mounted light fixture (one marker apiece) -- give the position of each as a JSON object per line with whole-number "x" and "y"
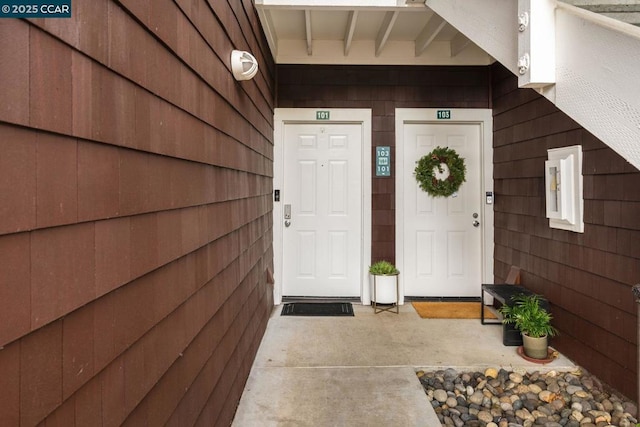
{"x": 243, "y": 65}
{"x": 564, "y": 187}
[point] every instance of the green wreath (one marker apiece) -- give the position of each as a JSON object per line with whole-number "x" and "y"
{"x": 425, "y": 172}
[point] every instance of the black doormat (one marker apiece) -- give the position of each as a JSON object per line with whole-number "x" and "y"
{"x": 317, "y": 309}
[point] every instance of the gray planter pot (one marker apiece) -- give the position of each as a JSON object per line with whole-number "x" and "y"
{"x": 536, "y": 348}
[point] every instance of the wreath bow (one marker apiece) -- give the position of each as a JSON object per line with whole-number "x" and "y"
{"x": 429, "y": 182}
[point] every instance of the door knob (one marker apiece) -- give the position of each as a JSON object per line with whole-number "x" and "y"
{"x": 476, "y": 223}
{"x": 287, "y": 223}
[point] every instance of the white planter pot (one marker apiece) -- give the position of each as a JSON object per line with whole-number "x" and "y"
{"x": 384, "y": 289}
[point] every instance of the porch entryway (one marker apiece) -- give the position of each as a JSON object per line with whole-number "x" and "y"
{"x": 306, "y": 374}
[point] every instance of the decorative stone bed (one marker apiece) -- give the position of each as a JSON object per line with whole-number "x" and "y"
{"x": 501, "y": 398}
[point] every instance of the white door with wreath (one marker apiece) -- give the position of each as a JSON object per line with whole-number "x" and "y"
{"x": 441, "y": 223}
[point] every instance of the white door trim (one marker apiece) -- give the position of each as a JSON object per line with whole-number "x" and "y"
{"x": 483, "y": 117}
{"x": 284, "y": 116}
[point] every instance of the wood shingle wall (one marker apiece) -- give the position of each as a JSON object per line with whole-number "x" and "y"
{"x": 587, "y": 276}
{"x": 135, "y": 213}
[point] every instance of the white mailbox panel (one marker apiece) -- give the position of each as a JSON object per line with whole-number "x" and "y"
{"x": 563, "y": 188}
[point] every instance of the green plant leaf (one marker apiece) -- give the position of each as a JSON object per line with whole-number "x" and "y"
{"x": 528, "y": 316}
{"x": 383, "y": 268}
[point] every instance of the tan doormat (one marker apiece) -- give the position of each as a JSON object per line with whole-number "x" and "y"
{"x": 451, "y": 310}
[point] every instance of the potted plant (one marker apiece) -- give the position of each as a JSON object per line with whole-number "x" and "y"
{"x": 533, "y": 321}
{"x": 383, "y": 282}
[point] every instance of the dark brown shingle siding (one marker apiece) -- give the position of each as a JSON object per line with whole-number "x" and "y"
{"x": 135, "y": 214}
{"x": 587, "y": 276}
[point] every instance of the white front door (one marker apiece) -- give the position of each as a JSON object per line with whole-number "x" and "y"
{"x": 322, "y": 209}
{"x": 442, "y": 247}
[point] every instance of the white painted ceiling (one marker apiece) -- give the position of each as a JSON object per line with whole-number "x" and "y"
{"x": 385, "y": 32}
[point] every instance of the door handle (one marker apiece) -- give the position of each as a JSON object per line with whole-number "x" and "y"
{"x": 287, "y": 223}
{"x": 476, "y": 223}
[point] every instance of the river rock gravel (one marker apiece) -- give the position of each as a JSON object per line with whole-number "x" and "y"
{"x": 502, "y": 398}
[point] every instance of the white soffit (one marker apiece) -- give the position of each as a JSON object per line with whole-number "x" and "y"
{"x": 363, "y": 32}
{"x": 489, "y": 23}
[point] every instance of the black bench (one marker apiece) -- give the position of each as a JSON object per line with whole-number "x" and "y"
{"x": 504, "y": 294}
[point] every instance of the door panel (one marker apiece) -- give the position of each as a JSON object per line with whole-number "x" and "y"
{"x": 442, "y": 248}
{"x": 322, "y": 184}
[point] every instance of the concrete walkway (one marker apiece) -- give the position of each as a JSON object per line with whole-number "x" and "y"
{"x": 360, "y": 371}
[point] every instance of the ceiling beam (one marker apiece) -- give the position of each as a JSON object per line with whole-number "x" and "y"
{"x": 351, "y": 28}
{"x": 385, "y": 30}
{"x": 307, "y": 26}
{"x": 458, "y": 44}
{"x": 429, "y": 33}
{"x": 269, "y": 30}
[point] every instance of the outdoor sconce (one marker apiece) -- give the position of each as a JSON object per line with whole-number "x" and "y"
{"x": 243, "y": 65}
{"x": 563, "y": 188}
